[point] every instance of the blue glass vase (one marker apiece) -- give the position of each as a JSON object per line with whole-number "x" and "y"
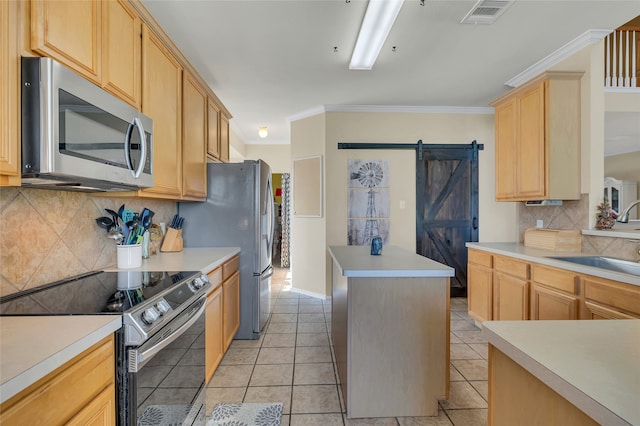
{"x": 376, "y": 246}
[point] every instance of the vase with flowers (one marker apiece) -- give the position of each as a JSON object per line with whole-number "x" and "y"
{"x": 605, "y": 216}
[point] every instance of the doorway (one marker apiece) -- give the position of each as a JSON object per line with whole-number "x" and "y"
{"x": 447, "y": 207}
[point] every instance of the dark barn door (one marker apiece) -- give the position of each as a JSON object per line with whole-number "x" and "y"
{"x": 447, "y": 207}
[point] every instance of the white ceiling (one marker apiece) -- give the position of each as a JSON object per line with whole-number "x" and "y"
{"x": 270, "y": 61}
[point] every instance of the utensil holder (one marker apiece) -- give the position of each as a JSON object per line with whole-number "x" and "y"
{"x": 129, "y": 256}
{"x": 172, "y": 241}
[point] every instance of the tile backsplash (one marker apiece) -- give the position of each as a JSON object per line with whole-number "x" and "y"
{"x": 48, "y": 235}
{"x": 575, "y": 215}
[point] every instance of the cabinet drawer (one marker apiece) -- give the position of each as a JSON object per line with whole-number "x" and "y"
{"x": 58, "y": 397}
{"x": 555, "y": 278}
{"x": 215, "y": 277}
{"x": 611, "y": 293}
{"x": 481, "y": 258}
{"x": 229, "y": 267}
{"x": 517, "y": 268}
{"x": 597, "y": 311}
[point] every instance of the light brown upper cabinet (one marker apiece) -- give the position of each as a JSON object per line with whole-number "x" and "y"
{"x": 213, "y": 133}
{"x": 99, "y": 40}
{"x": 121, "y": 30}
{"x": 224, "y": 138}
{"x": 194, "y": 143}
{"x": 162, "y": 101}
{"x": 70, "y": 32}
{"x": 9, "y": 95}
{"x": 538, "y": 139}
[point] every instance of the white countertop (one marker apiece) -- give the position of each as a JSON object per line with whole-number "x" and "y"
{"x": 202, "y": 259}
{"x": 541, "y": 256}
{"x": 357, "y": 261}
{"x": 33, "y": 346}
{"x": 593, "y": 364}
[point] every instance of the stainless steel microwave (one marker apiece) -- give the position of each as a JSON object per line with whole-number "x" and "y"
{"x": 78, "y": 137}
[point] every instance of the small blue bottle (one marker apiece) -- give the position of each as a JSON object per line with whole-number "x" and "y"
{"x": 376, "y": 246}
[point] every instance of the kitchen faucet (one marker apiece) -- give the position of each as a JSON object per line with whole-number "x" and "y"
{"x": 624, "y": 217}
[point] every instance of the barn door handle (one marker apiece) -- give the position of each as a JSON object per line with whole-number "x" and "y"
{"x": 474, "y": 223}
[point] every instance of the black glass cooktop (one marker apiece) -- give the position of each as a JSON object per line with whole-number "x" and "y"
{"x": 97, "y": 293}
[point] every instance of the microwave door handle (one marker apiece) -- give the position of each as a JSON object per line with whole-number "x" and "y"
{"x": 127, "y": 146}
{"x": 143, "y": 149}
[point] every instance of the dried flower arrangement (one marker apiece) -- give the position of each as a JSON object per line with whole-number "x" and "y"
{"x": 605, "y": 216}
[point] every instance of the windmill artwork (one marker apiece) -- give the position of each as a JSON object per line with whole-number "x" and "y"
{"x": 368, "y": 206}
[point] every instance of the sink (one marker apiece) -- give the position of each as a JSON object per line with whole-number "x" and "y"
{"x": 609, "y": 263}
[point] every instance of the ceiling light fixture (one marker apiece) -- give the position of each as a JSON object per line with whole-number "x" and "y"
{"x": 262, "y": 131}
{"x": 376, "y": 25}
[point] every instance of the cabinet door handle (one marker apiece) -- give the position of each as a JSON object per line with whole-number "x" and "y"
{"x": 474, "y": 223}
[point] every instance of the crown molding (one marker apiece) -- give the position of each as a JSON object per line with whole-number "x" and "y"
{"x": 306, "y": 113}
{"x": 391, "y": 108}
{"x": 585, "y": 39}
{"x": 409, "y": 108}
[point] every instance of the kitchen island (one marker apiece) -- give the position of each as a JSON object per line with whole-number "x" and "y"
{"x": 563, "y": 372}
{"x": 390, "y": 331}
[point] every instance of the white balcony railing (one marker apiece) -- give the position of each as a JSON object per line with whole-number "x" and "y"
{"x": 622, "y": 59}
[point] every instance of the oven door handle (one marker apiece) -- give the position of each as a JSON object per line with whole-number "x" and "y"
{"x": 137, "y": 360}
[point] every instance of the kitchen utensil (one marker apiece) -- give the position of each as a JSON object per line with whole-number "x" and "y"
{"x": 115, "y": 235}
{"x": 126, "y": 230}
{"x": 127, "y": 215}
{"x": 104, "y": 222}
{"x": 146, "y": 217}
{"x": 174, "y": 221}
{"x": 114, "y": 216}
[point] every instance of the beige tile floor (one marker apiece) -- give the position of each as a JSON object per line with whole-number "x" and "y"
{"x": 293, "y": 363}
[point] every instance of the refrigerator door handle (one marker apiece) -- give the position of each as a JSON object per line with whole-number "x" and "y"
{"x": 267, "y": 273}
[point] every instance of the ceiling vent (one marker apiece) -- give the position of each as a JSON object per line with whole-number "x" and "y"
{"x": 486, "y": 11}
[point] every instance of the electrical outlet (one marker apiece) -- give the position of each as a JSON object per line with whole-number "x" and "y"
{"x": 402, "y": 204}
{"x": 539, "y": 223}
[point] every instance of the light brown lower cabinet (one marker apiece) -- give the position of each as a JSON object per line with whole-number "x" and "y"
{"x": 512, "y": 402}
{"x": 214, "y": 345}
{"x": 231, "y": 299}
{"x": 510, "y": 288}
{"x": 606, "y": 299}
{"x": 480, "y": 285}
{"x": 82, "y": 391}
{"x": 222, "y": 314}
{"x": 550, "y": 304}
{"x": 502, "y": 287}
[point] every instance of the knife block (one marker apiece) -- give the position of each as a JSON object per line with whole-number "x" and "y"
{"x": 172, "y": 241}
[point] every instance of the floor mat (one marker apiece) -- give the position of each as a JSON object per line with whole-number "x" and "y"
{"x": 164, "y": 415}
{"x": 247, "y": 414}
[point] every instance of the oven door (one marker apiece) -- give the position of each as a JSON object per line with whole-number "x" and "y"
{"x": 166, "y": 374}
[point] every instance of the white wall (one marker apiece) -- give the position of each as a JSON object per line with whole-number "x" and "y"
{"x": 236, "y": 147}
{"x": 308, "y": 247}
{"x": 497, "y": 220}
{"x": 277, "y": 156}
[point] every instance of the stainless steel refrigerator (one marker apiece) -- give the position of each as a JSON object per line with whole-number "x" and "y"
{"x": 238, "y": 212}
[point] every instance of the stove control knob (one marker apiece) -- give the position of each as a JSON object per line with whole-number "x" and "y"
{"x": 204, "y": 278}
{"x": 150, "y": 315}
{"x": 163, "y": 307}
{"x": 198, "y": 283}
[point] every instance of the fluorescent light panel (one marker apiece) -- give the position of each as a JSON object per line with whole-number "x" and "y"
{"x": 377, "y": 23}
